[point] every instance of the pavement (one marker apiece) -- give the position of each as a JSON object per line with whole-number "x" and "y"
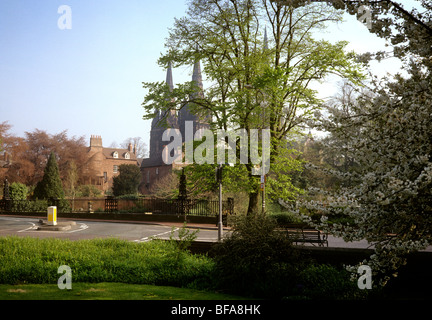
{"x": 333, "y": 242}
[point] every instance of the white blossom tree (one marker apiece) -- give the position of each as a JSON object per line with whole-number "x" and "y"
{"x": 388, "y": 133}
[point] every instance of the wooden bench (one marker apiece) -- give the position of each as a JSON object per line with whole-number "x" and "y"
{"x": 306, "y": 235}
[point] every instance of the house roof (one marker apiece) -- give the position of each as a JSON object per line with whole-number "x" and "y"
{"x": 152, "y": 162}
{"x": 108, "y": 153}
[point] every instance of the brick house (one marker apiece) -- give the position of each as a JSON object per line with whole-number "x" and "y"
{"x": 103, "y": 163}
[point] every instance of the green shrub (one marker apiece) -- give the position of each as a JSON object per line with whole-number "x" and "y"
{"x": 18, "y": 191}
{"x": 256, "y": 259}
{"x": 31, "y": 260}
{"x": 327, "y": 282}
{"x": 88, "y": 191}
{"x": 260, "y": 262}
{"x": 284, "y": 218}
{"x": 29, "y": 206}
{"x": 62, "y": 205}
{"x": 133, "y": 196}
{"x": 127, "y": 181}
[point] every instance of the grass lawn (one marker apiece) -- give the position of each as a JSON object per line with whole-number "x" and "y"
{"x": 106, "y": 291}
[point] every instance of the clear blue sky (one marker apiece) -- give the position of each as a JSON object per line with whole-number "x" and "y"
{"x": 88, "y": 80}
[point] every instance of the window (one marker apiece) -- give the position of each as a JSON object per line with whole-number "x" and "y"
{"x": 105, "y": 176}
{"x": 148, "y": 176}
{"x": 115, "y": 154}
{"x": 127, "y": 155}
{"x": 115, "y": 169}
{"x": 157, "y": 170}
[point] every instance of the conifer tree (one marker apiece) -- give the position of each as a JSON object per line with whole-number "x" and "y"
{"x": 50, "y": 187}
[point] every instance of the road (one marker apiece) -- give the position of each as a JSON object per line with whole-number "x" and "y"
{"x": 138, "y": 232}
{"x": 19, "y": 226}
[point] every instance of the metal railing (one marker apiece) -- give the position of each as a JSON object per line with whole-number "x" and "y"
{"x": 141, "y": 205}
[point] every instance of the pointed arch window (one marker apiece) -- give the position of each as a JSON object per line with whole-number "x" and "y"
{"x": 115, "y": 154}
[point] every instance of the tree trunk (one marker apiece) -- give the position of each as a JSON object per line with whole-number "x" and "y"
{"x": 253, "y": 203}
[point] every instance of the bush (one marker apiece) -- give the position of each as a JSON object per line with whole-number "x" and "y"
{"x": 256, "y": 259}
{"x": 327, "y": 282}
{"x": 29, "y": 206}
{"x": 261, "y": 262}
{"x": 88, "y": 191}
{"x": 18, "y": 191}
{"x": 31, "y": 260}
{"x": 133, "y": 196}
{"x": 284, "y": 218}
{"x": 127, "y": 181}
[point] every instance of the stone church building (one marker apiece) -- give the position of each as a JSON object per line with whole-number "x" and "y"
{"x": 153, "y": 168}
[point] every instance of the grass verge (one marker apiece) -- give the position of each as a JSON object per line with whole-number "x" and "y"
{"x": 107, "y": 291}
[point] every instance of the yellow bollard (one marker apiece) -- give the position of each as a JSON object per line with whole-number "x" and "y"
{"x": 52, "y": 216}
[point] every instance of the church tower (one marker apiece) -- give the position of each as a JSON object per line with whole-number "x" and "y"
{"x": 175, "y": 120}
{"x": 153, "y": 168}
{"x": 160, "y": 123}
{"x": 200, "y": 121}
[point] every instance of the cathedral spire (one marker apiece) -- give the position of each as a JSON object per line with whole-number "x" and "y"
{"x": 169, "y": 81}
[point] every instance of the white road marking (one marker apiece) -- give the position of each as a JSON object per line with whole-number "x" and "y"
{"x": 145, "y": 239}
{"x": 33, "y": 226}
{"x": 82, "y": 227}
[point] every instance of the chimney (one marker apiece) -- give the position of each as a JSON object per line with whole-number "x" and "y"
{"x": 130, "y": 147}
{"x": 95, "y": 141}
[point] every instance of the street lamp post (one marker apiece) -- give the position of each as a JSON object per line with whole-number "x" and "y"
{"x": 263, "y": 193}
{"x": 220, "y": 223}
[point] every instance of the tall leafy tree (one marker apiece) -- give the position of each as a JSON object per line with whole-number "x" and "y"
{"x": 256, "y": 81}
{"x": 40, "y": 144}
{"x": 29, "y": 154}
{"x": 20, "y": 168}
